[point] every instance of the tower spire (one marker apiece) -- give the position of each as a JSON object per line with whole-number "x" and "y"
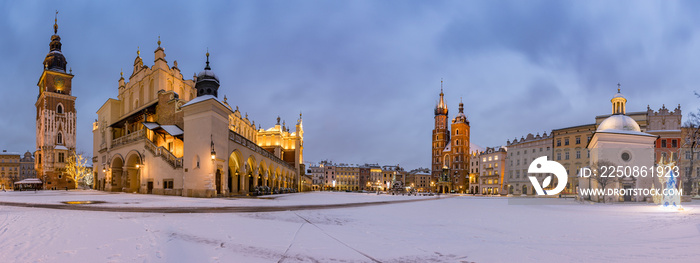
{"x": 618, "y": 87}
{"x": 441, "y": 108}
{"x": 55, "y": 23}
{"x": 440, "y": 86}
{"x": 207, "y": 67}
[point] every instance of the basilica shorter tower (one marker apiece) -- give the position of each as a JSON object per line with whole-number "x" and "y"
{"x": 450, "y": 150}
{"x": 55, "y": 118}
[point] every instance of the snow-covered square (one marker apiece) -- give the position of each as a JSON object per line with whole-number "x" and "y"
{"x": 424, "y": 229}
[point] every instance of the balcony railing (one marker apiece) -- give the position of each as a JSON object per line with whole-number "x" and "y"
{"x": 157, "y": 151}
{"x": 129, "y": 138}
{"x": 167, "y": 156}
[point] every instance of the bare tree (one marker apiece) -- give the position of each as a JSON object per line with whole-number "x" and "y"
{"x": 603, "y": 176}
{"x": 690, "y": 140}
{"x": 76, "y": 168}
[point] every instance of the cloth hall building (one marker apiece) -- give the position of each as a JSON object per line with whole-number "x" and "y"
{"x": 164, "y": 134}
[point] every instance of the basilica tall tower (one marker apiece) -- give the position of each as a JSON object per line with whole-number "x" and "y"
{"x": 55, "y": 118}
{"x": 441, "y": 135}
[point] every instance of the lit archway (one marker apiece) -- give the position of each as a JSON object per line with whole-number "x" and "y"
{"x": 117, "y": 173}
{"x": 134, "y": 166}
{"x": 234, "y": 172}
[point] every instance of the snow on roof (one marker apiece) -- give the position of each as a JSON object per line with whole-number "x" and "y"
{"x": 61, "y": 147}
{"x": 200, "y": 99}
{"x": 29, "y": 181}
{"x": 626, "y": 132}
{"x": 151, "y": 125}
{"x": 475, "y": 148}
{"x": 9, "y": 153}
{"x": 172, "y": 130}
{"x": 448, "y": 147}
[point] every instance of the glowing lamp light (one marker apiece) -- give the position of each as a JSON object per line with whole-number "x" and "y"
{"x": 138, "y": 166}
{"x": 213, "y": 155}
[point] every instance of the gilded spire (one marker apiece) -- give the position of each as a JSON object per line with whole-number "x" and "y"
{"x": 207, "y": 67}
{"x": 138, "y": 51}
{"x": 618, "y": 87}
{"x": 55, "y": 23}
{"x": 159, "y": 41}
{"x": 441, "y": 108}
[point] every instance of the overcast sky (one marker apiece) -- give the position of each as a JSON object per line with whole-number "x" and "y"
{"x": 366, "y": 74}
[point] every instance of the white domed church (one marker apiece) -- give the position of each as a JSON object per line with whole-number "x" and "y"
{"x": 619, "y": 142}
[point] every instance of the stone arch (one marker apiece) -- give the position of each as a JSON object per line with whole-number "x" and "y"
{"x": 235, "y": 172}
{"x": 278, "y": 177}
{"x": 134, "y": 167}
{"x": 262, "y": 173}
{"x": 116, "y": 170}
{"x": 271, "y": 175}
{"x": 250, "y": 172}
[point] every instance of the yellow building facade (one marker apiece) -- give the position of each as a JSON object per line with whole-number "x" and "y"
{"x": 164, "y": 134}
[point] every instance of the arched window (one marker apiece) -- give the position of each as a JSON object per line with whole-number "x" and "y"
{"x": 141, "y": 95}
{"x": 59, "y": 109}
{"x": 196, "y": 161}
{"x": 152, "y": 90}
{"x": 59, "y": 138}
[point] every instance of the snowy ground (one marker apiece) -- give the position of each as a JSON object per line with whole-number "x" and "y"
{"x": 456, "y": 229}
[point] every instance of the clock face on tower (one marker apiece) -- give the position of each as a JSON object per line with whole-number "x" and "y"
{"x": 59, "y": 82}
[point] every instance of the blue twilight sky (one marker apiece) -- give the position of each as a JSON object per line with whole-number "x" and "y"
{"x": 366, "y": 74}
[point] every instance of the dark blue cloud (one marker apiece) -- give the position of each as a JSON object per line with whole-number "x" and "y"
{"x": 366, "y": 73}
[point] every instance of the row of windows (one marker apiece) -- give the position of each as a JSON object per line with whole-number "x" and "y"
{"x": 578, "y": 140}
{"x": 665, "y": 144}
{"x": 525, "y": 151}
{"x": 578, "y": 155}
{"x": 495, "y": 158}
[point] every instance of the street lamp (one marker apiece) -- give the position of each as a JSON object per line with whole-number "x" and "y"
{"x": 213, "y": 152}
